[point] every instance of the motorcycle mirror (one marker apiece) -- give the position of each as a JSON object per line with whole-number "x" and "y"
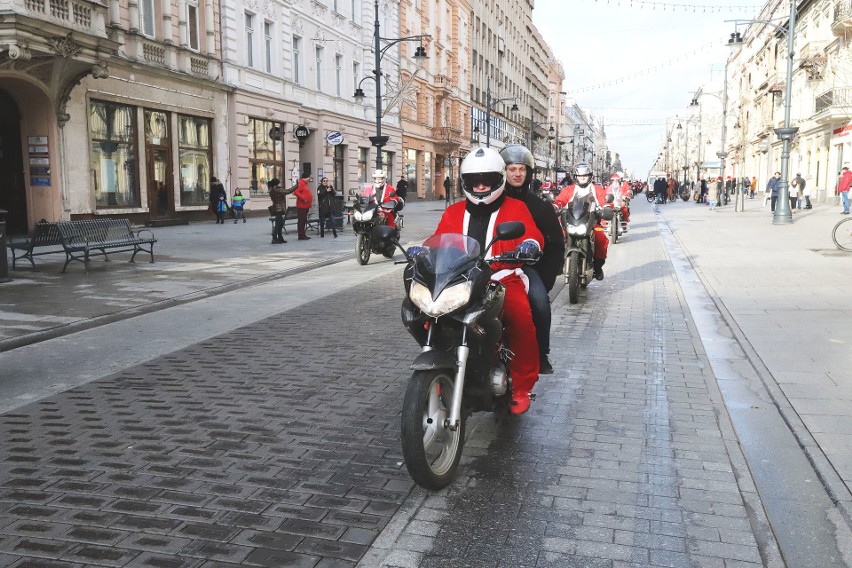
{"x": 383, "y": 232}
{"x": 510, "y": 230}
{"x": 607, "y": 214}
{"x": 610, "y": 198}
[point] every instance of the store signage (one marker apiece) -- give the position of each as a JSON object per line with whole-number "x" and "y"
{"x": 302, "y": 132}
{"x": 39, "y": 161}
{"x": 275, "y": 133}
{"x": 38, "y": 150}
{"x": 39, "y": 171}
{"x": 40, "y": 140}
{"x": 43, "y": 181}
{"x": 334, "y": 138}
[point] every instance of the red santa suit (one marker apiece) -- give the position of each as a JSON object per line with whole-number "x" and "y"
{"x": 386, "y": 195}
{"x": 520, "y": 330}
{"x": 601, "y": 242}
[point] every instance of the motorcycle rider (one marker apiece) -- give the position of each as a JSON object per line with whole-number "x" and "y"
{"x": 582, "y": 187}
{"x": 620, "y": 190}
{"x": 485, "y": 206}
{"x": 382, "y": 193}
{"x": 542, "y": 276}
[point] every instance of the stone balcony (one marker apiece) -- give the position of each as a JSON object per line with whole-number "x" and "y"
{"x": 833, "y": 105}
{"x": 841, "y": 23}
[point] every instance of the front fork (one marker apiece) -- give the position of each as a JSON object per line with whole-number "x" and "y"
{"x": 462, "y": 353}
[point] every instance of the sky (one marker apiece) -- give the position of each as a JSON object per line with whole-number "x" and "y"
{"x": 653, "y": 54}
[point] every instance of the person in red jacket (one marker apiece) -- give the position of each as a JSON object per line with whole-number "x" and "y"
{"x": 304, "y": 198}
{"x": 843, "y": 186}
{"x": 483, "y": 175}
{"x": 621, "y": 194}
{"x": 383, "y": 193}
{"x": 582, "y": 187}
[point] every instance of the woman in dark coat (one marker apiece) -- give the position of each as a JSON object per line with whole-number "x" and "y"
{"x": 325, "y": 203}
{"x": 218, "y": 200}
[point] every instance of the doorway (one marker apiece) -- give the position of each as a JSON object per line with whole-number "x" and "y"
{"x": 158, "y": 162}
{"x": 13, "y": 192}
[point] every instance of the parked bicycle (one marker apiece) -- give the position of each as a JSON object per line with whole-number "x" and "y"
{"x": 841, "y": 234}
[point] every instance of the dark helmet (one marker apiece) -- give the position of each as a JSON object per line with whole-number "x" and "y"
{"x": 519, "y": 154}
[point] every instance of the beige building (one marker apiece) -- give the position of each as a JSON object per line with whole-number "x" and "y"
{"x": 109, "y": 109}
{"x": 821, "y": 103}
{"x": 434, "y": 100}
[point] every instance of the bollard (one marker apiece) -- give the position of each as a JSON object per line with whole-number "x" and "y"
{"x": 4, "y": 262}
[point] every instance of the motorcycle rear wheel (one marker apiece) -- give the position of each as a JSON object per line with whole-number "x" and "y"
{"x": 573, "y": 270}
{"x": 613, "y": 229}
{"x": 432, "y": 451}
{"x": 362, "y": 249}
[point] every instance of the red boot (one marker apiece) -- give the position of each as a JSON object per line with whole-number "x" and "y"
{"x": 521, "y": 389}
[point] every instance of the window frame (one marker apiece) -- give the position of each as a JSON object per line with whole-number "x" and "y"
{"x": 142, "y": 14}
{"x": 132, "y": 142}
{"x": 248, "y": 25}
{"x": 187, "y": 147}
{"x": 297, "y": 59}
{"x": 193, "y": 25}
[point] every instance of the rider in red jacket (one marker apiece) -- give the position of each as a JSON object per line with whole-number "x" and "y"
{"x": 484, "y": 207}
{"x": 382, "y": 193}
{"x": 583, "y": 186}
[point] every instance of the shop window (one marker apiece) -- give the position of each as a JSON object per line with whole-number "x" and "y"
{"x": 265, "y": 155}
{"x": 363, "y": 158}
{"x": 339, "y": 178}
{"x": 410, "y": 168}
{"x": 196, "y": 159}
{"x": 113, "y": 159}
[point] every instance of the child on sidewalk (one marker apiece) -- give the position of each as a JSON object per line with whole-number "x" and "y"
{"x": 238, "y": 201}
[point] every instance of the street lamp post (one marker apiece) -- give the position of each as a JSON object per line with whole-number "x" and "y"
{"x": 490, "y": 102}
{"x": 783, "y": 213}
{"x": 378, "y": 140}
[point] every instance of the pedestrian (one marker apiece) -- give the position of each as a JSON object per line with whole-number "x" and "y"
{"x": 843, "y": 188}
{"x": 772, "y": 190}
{"x": 238, "y": 202}
{"x": 278, "y": 208}
{"x": 798, "y": 184}
{"x": 218, "y": 200}
{"x": 325, "y": 202}
{"x": 713, "y": 193}
{"x": 806, "y": 192}
{"x": 702, "y": 197}
{"x": 447, "y": 187}
{"x": 402, "y": 186}
{"x": 753, "y": 186}
{"x": 304, "y": 199}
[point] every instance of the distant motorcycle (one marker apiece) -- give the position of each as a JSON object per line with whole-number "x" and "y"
{"x": 366, "y": 216}
{"x": 579, "y": 218}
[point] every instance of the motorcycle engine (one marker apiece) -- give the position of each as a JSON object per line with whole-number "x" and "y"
{"x": 499, "y": 379}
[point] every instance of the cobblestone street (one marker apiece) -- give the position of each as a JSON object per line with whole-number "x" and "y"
{"x": 277, "y": 444}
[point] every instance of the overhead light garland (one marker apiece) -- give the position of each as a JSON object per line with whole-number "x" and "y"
{"x": 641, "y": 73}
{"x": 675, "y": 7}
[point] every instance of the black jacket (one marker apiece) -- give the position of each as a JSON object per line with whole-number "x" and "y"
{"x": 553, "y": 254}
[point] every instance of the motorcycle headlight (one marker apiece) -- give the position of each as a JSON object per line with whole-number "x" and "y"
{"x": 451, "y": 299}
{"x": 365, "y": 215}
{"x": 576, "y": 230}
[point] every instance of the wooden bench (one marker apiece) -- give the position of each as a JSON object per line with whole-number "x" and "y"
{"x": 84, "y": 238}
{"x": 45, "y": 236}
{"x": 291, "y": 217}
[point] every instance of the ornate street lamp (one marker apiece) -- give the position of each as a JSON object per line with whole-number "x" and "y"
{"x": 420, "y": 56}
{"x": 489, "y": 104}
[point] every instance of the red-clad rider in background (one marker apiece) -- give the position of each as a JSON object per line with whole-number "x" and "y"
{"x": 383, "y": 193}
{"x": 622, "y": 193}
{"x": 582, "y": 187}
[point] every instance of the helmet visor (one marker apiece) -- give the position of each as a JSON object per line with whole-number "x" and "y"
{"x": 491, "y": 179}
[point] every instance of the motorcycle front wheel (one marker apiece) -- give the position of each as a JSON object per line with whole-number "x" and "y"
{"x": 573, "y": 270}
{"x": 431, "y": 450}
{"x": 362, "y": 249}
{"x": 613, "y": 229}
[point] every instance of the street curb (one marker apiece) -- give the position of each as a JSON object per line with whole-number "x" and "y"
{"x": 90, "y": 323}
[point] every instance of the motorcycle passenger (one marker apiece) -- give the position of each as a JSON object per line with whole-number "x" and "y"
{"x": 582, "y": 187}
{"x": 382, "y": 193}
{"x": 542, "y": 276}
{"x": 485, "y": 206}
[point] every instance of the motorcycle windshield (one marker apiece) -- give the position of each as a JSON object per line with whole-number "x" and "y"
{"x": 578, "y": 210}
{"x": 446, "y": 257}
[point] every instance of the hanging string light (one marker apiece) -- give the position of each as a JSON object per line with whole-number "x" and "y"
{"x": 675, "y": 6}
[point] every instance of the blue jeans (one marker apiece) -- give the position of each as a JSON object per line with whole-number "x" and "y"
{"x": 540, "y": 306}
{"x": 844, "y": 196}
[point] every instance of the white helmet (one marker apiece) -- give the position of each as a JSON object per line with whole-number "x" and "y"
{"x": 483, "y": 166}
{"x": 380, "y": 177}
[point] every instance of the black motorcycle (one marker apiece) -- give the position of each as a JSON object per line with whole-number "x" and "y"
{"x": 579, "y": 218}
{"x": 454, "y": 311}
{"x": 366, "y": 216}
